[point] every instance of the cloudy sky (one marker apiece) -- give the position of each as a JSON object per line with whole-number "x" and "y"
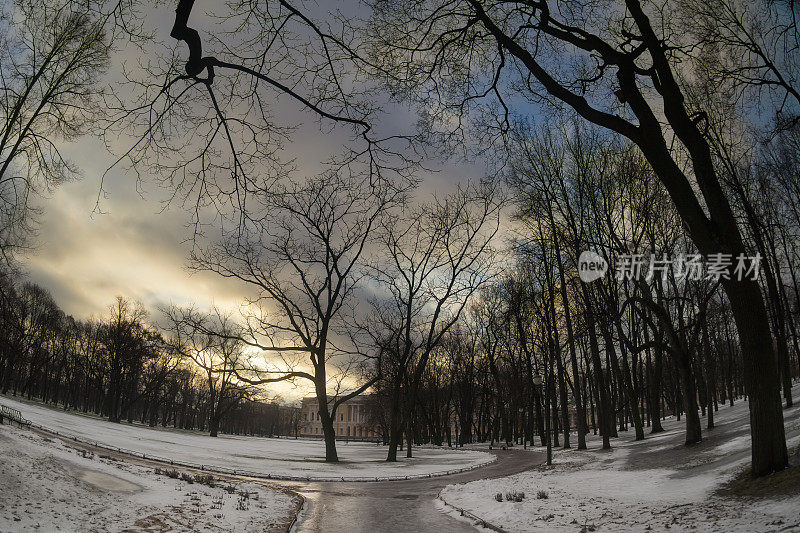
{"x": 132, "y": 248}
{"x": 135, "y": 246}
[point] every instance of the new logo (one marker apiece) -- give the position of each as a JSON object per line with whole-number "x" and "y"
{"x": 591, "y": 266}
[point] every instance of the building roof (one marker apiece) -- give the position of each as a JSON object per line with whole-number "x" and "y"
{"x": 360, "y": 397}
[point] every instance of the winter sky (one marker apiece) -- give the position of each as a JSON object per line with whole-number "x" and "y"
{"x": 134, "y": 245}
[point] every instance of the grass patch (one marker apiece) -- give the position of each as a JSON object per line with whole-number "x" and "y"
{"x": 783, "y": 483}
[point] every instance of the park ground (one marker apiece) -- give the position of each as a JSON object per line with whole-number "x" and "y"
{"x": 658, "y": 484}
{"x": 274, "y": 457}
{"x": 50, "y": 485}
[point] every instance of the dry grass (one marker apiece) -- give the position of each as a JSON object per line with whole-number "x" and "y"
{"x": 784, "y": 483}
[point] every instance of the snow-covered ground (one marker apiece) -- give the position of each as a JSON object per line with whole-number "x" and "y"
{"x": 279, "y": 458}
{"x": 655, "y": 484}
{"x": 48, "y": 486}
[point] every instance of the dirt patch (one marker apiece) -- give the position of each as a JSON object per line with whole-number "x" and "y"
{"x": 154, "y": 523}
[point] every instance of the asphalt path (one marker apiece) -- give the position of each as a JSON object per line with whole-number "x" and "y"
{"x": 395, "y": 506}
{"x": 382, "y": 507}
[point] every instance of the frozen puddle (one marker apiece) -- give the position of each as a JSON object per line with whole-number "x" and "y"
{"x": 108, "y": 482}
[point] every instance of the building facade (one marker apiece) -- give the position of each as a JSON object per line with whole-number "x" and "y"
{"x": 353, "y": 419}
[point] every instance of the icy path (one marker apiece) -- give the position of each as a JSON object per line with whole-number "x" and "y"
{"x": 657, "y": 484}
{"x": 266, "y": 457}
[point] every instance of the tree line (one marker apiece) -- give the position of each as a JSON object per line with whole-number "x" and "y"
{"x": 122, "y": 368}
{"x": 615, "y": 354}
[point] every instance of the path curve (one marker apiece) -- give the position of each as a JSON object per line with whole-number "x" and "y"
{"x": 395, "y": 506}
{"x": 383, "y": 506}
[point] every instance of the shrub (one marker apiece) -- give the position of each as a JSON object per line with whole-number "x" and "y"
{"x": 205, "y": 479}
{"x": 498, "y": 496}
{"x": 243, "y": 504}
{"x": 542, "y": 495}
{"x": 515, "y": 496}
{"x": 173, "y": 474}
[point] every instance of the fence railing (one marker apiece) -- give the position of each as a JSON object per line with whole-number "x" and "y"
{"x": 14, "y": 415}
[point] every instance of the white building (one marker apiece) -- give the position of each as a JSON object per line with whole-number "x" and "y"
{"x": 352, "y": 421}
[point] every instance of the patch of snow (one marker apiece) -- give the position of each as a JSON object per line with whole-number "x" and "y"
{"x": 274, "y": 457}
{"x": 655, "y": 484}
{"x": 49, "y": 486}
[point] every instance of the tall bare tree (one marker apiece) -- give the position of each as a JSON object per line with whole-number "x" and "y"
{"x": 303, "y": 260}
{"x": 52, "y": 56}
{"x": 618, "y": 70}
{"x": 436, "y": 258}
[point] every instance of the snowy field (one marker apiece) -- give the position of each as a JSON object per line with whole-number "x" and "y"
{"x": 49, "y": 486}
{"x": 657, "y": 484}
{"x": 274, "y": 457}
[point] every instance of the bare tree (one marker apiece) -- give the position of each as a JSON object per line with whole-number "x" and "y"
{"x": 750, "y": 48}
{"x": 213, "y": 127}
{"x": 219, "y": 356}
{"x": 303, "y": 261}
{"x": 52, "y": 55}
{"x": 617, "y": 70}
{"x": 123, "y": 342}
{"x": 437, "y": 257}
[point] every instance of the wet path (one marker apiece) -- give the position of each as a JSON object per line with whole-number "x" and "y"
{"x": 382, "y": 507}
{"x": 395, "y": 506}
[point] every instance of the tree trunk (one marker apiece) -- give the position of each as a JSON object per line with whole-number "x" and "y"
{"x": 395, "y": 426}
{"x": 576, "y": 385}
{"x": 767, "y": 435}
{"x": 213, "y": 425}
{"x": 604, "y": 416}
{"x": 409, "y": 435}
{"x": 627, "y": 382}
{"x": 689, "y": 394}
{"x": 326, "y": 418}
{"x": 655, "y": 393}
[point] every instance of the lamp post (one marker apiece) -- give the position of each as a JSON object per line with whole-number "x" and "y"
{"x": 537, "y": 380}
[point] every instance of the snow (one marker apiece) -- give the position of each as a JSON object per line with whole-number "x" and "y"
{"x": 49, "y": 486}
{"x": 655, "y": 484}
{"x": 276, "y": 458}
